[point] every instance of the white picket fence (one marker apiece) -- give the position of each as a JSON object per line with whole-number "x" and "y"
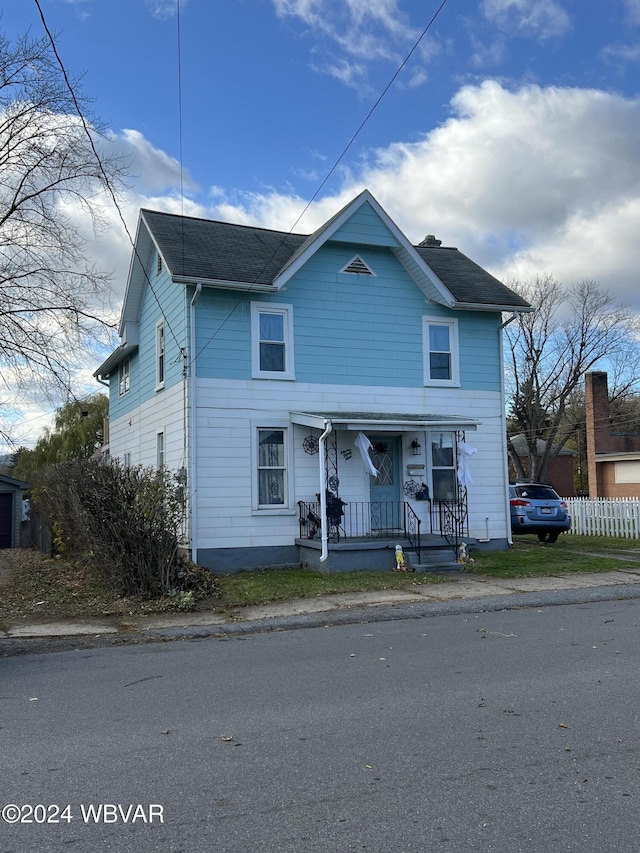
{"x": 605, "y": 517}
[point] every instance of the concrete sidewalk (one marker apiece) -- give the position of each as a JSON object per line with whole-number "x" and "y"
{"x": 459, "y": 587}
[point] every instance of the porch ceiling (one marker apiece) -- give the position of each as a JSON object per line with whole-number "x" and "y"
{"x": 381, "y": 421}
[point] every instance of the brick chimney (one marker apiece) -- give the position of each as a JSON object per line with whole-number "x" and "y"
{"x": 598, "y": 423}
{"x": 430, "y": 242}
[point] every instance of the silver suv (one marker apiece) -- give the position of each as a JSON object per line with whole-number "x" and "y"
{"x": 537, "y": 508}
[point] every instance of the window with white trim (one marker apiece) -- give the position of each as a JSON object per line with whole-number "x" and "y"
{"x": 124, "y": 377}
{"x": 160, "y": 450}
{"x": 272, "y": 468}
{"x": 160, "y": 355}
{"x": 440, "y": 344}
{"x": 443, "y": 465}
{"x": 272, "y": 341}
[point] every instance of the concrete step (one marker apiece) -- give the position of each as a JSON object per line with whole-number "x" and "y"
{"x": 433, "y": 560}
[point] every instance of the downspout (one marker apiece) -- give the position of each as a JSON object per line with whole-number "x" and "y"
{"x": 328, "y": 426}
{"x": 192, "y": 424}
{"x": 503, "y": 410}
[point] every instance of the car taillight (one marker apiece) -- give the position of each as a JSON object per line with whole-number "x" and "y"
{"x": 519, "y": 502}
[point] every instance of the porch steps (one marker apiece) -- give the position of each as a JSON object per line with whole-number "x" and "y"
{"x": 435, "y": 558}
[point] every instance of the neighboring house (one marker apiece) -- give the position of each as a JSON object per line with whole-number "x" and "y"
{"x": 274, "y": 372}
{"x": 11, "y": 511}
{"x": 560, "y": 474}
{"x": 613, "y": 457}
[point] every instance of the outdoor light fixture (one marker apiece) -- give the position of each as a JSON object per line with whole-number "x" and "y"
{"x": 416, "y": 447}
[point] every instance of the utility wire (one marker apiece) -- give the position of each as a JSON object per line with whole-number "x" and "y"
{"x": 105, "y": 177}
{"x": 335, "y": 165}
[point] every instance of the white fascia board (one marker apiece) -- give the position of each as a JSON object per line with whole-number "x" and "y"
{"x": 334, "y": 225}
{"x": 136, "y": 279}
{"x": 223, "y": 284}
{"x": 319, "y": 421}
{"x": 482, "y": 306}
{"x": 443, "y": 294}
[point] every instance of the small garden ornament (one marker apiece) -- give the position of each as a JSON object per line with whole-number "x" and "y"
{"x": 401, "y": 565}
{"x": 463, "y": 554}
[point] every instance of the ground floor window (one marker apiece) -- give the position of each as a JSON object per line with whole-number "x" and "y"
{"x": 272, "y": 468}
{"x": 443, "y": 465}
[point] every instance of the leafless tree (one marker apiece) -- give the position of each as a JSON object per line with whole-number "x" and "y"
{"x": 50, "y": 185}
{"x": 548, "y": 352}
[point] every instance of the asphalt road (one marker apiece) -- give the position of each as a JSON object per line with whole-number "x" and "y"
{"x": 501, "y": 731}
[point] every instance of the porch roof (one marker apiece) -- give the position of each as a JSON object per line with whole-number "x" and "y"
{"x": 382, "y": 421}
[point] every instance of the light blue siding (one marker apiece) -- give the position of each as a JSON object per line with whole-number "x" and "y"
{"x": 365, "y": 227}
{"x": 348, "y": 329}
{"x": 173, "y": 299}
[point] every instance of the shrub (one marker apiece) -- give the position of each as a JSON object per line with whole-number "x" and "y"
{"x": 125, "y": 522}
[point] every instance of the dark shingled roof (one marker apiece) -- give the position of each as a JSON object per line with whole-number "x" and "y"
{"x": 202, "y": 248}
{"x": 221, "y": 251}
{"x": 467, "y": 281}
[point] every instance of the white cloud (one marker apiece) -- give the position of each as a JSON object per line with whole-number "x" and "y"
{"x": 535, "y": 179}
{"x": 163, "y": 9}
{"x": 536, "y": 18}
{"x": 353, "y": 34}
{"x": 633, "y": 10}
{"x": 621, "y": 53}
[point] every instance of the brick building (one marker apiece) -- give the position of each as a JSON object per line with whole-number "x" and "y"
{"x": 613, "y": 457}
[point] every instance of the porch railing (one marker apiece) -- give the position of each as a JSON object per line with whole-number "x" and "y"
{"x": 452, "y": 520}
{"x": 362, "y": 520}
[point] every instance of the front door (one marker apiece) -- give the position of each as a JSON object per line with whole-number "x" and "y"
{"x": 384, "y": 491}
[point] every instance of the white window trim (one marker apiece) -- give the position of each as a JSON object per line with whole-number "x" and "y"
{"x": 454, "y": 381}
{"x": 289, "y": 505}
{"x": 159, "y": 465}
{"x": 160, "y": 325}
{"x": 285, "y": 311}
{"x": 124, "y": 377}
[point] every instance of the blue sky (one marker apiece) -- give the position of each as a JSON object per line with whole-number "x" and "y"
{"x": 512, "y": 132}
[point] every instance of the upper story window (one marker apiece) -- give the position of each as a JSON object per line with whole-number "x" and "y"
{"x": 440, "y": 342}
{"x": 160, "y": 355}
{"x": 272, "y": 341}
{"x": 124, "y": 377}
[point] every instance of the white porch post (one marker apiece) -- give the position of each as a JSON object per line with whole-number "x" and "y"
{"x": 328, "y": 426}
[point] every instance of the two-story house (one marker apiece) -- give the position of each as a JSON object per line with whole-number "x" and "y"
{"x": 321, "y": 396}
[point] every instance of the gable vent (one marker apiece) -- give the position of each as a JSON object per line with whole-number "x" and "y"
{"x": 357, "y": 266}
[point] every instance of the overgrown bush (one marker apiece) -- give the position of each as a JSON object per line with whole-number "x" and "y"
{"x": 125, "y": 522}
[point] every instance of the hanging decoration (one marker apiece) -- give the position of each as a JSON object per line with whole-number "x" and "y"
{"x": 311, "y": 444}
{"x": 411, "y": 488}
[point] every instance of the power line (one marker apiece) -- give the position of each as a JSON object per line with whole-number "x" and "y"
{"x": 105, "y": 177}
{"x": 335, "y": 165}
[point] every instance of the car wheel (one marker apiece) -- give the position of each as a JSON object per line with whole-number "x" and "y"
{"x": 542, "y": 537}
{"x": 553, "y": 537}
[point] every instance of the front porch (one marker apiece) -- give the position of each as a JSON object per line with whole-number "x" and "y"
{"x": 362, "y": 535}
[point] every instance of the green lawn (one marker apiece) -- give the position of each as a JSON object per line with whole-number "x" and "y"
{"x": 528, "y": 557}
{"x": 44, "y": 588}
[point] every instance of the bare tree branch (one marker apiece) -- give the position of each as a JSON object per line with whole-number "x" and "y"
{"x": 572, "y": 330}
